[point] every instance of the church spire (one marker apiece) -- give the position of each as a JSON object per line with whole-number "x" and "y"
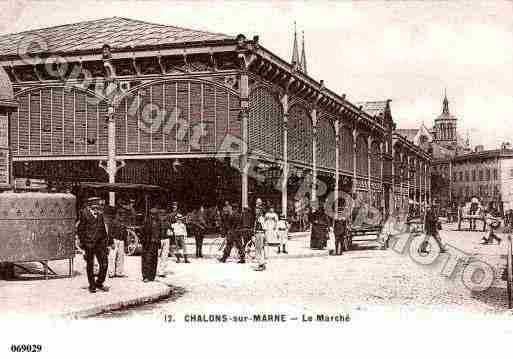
{"x": 446, "y": 103}
{"x": 303, "y": 57}
{"x": 295, "y": 52}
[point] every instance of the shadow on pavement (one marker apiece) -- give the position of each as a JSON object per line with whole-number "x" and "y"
{"x": 494, "y": 297}
{"x": 149, "y": 308}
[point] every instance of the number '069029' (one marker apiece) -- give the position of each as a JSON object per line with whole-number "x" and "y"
{"x": 26, "y": 348}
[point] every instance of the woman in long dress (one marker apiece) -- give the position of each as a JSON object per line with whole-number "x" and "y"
{"x": 270, "y": 223}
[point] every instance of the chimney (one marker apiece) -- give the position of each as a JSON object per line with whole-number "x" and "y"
{"x": 479, "y": 148}
{"x": 506, "y": 146}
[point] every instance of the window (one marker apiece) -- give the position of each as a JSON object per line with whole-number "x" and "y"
{"x": 466, "y": 176}
{"x": 454, "y": 177}
{"x": 480, "y": 175}
{"x": 511, "y": 172}
{"x": 461, "y": 176}
{"x": 495, "y": 174}
{"x": 473, "y": 175}
{"x": 487, "y": 174}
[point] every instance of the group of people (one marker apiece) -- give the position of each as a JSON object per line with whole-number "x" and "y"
{"x": 262, "y": 225}
{"x": 102, "y": 235}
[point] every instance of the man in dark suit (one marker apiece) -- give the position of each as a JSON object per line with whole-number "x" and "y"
{"x": 232, "y": 221}
{"x": 152, "y": 235}
{"x": 340, "y": 230}
{"x": 95, "y": 241}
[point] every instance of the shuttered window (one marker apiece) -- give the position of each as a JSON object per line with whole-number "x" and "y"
{"x": 300, "y": 135}
{"x": 362, "y": 162}
{"x": 59, "y": 121}
{"x": 177, "y": 117}
{"x": 265, "y": 123}
{"x": 326, "y": 143}
{"x": 347, "y": 150}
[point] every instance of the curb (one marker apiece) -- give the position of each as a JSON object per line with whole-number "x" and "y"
{"x": 99, "y": 309}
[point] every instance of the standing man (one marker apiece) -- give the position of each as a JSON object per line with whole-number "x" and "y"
{"x": 180, "y": 235}
{"x": 283, "y": 233}
{"x": 199, "y": 222}
{"x": 152, "y": 232}
{"x": 174, "y": 212}
{"x": 259, "y": 227}
{"x": 165, "y": 240}
{"x": 117, "y": 232}
{"x": 340, "y": 231}
{"x": 94, "y": 240}
{"x": 231, "y": 229}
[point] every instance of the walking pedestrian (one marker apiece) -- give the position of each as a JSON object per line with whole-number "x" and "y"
{"x": 259, "y": 227}
{"x": 117, "y": 232}
{"x": 94, "y": 240}
{"x": 180, "y": 234}
{"x": 165, "y": 243}
{"x": 283, "y": 233}
{"x": 199, "y": 223}
{"x": 247, "y": 226}
{"x": 431, "y": 227}
{"x": 152, "y": 232}
{"x": 232, "y": 223}
{"x": 492, "y": 224}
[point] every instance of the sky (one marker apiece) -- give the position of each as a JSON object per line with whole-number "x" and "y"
{"x": 409, "y": 52}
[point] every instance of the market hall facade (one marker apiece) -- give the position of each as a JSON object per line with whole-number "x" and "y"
{"x": 209, "y": 116}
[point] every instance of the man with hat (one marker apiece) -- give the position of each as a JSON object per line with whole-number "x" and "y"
{"x": 180, "y": 234}
{"x": 152, "y": 232}
{"x": 282, "y": 233}
{"x": 232, "y": 222}
{"x": 165, "y": 242}
{"x": 174, "y": 212}
{"x": 117, "y": 232}
{"x": 94, "y": 240}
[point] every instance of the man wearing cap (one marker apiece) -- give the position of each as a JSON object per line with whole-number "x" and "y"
{"x": 117, "y": 232}
{"x": 165, "y": 239}
{"x": 180, "y": 235}
{"x": 152, "y": 231}
{"x": 282, "y": 228}
{"x": 94, "y": 240}
{"x": 174, "y": 212}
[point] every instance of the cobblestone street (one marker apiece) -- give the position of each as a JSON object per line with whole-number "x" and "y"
{"x": 363, "y": 279}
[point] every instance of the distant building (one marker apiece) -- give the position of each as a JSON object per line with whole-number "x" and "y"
{"x": 487, "y": 175}
{"x": 443, "y": 143}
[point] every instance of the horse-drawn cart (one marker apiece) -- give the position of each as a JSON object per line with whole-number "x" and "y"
{"x": 472, "y": 215}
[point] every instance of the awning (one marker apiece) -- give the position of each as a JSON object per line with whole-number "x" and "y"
{"x": 118, "y": 187}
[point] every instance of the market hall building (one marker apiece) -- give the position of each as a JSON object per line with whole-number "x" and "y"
{"x": 209, "y": 116}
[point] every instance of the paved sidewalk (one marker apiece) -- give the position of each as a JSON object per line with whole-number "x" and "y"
{"x": 69, "y": 297}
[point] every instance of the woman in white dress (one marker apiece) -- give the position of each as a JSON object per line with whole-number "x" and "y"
{"x": 270, "y": 226}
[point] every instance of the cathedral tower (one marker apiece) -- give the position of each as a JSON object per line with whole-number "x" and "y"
{"x": 445, "y": 127}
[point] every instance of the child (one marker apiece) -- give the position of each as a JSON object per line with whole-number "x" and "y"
{"x": 283, "y": 233}
{"x": 180, "y": 234}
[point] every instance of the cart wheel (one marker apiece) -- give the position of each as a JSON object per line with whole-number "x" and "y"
{"x": 132, "y": 243}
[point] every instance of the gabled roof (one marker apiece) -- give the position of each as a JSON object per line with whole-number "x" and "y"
{"x": 117, "y": 32}
{"x": 374, "y": 108}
